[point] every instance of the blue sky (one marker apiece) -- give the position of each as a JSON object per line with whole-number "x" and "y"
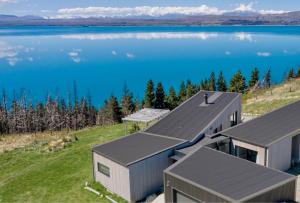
{"x": 60, "y": 7}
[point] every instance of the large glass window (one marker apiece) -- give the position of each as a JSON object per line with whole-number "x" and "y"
{"x": 103, "y": 169}
{"x": 247, "y": 154}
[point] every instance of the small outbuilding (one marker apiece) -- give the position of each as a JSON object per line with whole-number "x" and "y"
{"x": 132, "y": 166}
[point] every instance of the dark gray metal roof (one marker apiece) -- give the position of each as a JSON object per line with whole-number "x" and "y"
{"x": 269, "y": 128}
{"x": 204, "y": 142}
{"x": 190, "y": 118}
{"x": 226, "y": 175}
{"x": 135, "y": 147}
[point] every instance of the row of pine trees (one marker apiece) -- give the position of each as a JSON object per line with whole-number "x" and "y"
{"x": 54, "y": 114}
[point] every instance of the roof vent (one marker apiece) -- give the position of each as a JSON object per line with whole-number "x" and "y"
{"x": 206, "y": 98}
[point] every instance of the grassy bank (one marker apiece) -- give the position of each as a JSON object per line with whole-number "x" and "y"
{"x": 266, "y": 100}
{"x": 30, "y": 175}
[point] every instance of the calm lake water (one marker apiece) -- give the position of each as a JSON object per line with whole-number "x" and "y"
{"x": 101, "y": 59}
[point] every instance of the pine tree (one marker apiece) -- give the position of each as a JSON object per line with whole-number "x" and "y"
{"x": 127, "y": 101}
{"x": 172, "y": 100}
{"x": 267, "y": 79}
{"x": 212, "y": 82}
{"x": 149, "y": 95}
{"x": 238, "y": 83}
{"x": 204, "y": 84}
{"x": 254, "y": 78}
{"x": 159, "y": 96}
{"x": 291, "y": 74}
{"x": 222, "y": 87}
{"x": 115, "y": 109}
{"x": 298, "y": 73}
{"x": 189, "y": 89}
{"x": 182, "y": 92}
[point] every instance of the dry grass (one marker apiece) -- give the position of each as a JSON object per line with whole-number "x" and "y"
{"x": 266, "y": 100}
{"x": 10, "y": 142}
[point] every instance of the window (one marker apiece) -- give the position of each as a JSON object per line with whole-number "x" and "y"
{"x": 181, "y": 198}
{"x": 233, "y": 119}
{"x": 103, "y": 169}
{"x": 247, "y": 154}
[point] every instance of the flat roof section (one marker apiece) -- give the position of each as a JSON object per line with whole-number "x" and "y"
{"x": 191, "y": 117}
{"x": 227, "y": 175}
{"x": 135, "y": 147}
{"x": 146, "y": 115}
{"x": 269, "y": 128}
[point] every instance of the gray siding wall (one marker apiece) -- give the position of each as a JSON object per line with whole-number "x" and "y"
{"x": 146, "y": 177}
{"x": 284, "y": 193}
{"x": 172, "y": 183}
{"x": 279, "y": 154}
{"x": 224, "y": 118}
{"x": 118, "y": 182}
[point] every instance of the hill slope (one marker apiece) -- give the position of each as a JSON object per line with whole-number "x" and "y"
{"x": 30, "y": 175}
{"x": 266, "y": 100}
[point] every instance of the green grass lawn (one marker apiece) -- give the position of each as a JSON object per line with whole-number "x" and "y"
{"x": 30, "y": 175}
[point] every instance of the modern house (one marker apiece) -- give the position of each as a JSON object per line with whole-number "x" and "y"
{"x": 244, "y": 163}
{"x": 272, "y": 140}
{"x": 208, "y": 175}
{"x": 133, "y": 166}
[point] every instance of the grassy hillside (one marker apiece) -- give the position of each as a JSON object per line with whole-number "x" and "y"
{"x": 266, "y": 100}
{"x": 31, "y": 175}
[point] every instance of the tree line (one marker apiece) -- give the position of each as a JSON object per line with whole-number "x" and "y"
{"x": 54, "y": 114}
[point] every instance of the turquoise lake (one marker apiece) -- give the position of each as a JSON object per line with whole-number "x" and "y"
{"x": 46, "y": 60}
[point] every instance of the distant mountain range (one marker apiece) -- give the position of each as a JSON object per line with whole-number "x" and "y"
{"x": 233, "y": 18}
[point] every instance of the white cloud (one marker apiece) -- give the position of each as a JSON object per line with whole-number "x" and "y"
{"x": 76, "y": 59}
{"x": 142, "y": 36}
{"x": 245, "y": 8}
{"x": 264, "y": 12}
{"x": 11, "y": 53}
{"x": 12, "y": 61}
{"x": 156, "y": 11}
{"x": 30, "y": 59}
{"x": 130, "y": 55}
{"x": 74, "y": 55}
{"x": 113, "y": 52}
{"x": 242, "y": 36}
{"x": 137, "y": 11}
{"x": 227, "y": 53}
{"x": 7, "y": 1}
{"x": 264, "y": 54}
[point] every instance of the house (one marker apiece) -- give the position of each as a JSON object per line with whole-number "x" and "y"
{"x": 133, "y": 166}
{"x": 272, "y": 140}
{"x": 208, "y": 175}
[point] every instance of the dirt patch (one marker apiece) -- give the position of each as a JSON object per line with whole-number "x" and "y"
{"x": 11, "y": 142}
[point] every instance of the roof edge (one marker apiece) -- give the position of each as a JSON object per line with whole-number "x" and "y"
{"x": 261, "y": 116}
{"x": 253, "y": 195}
{"x": 202, "y": 187}
{"x": 143, "y": 158}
